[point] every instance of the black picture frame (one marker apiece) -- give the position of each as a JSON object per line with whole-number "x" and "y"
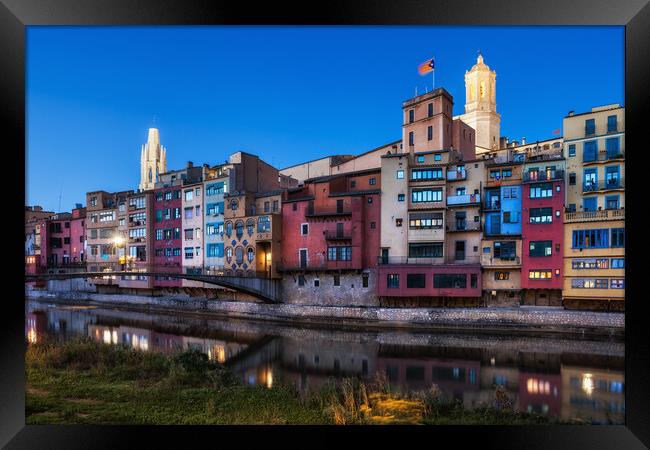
{"x": 633, "y": 14}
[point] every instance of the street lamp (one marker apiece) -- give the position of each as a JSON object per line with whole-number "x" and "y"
{"x": 118, "y": 241}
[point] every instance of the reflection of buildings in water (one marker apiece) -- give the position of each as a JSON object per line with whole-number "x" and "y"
{"x": 217, "y": 350}
{"x": 309, "y": 364}
{"x": 596, "y": 394}
{"x": 490, "y": 377}
{"x": 453, "y": 377}
{"x": 540, "y": 393}
{"x": 35, "y": 326}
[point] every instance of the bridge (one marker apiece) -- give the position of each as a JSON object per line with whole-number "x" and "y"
{"x": 266, "y": 289}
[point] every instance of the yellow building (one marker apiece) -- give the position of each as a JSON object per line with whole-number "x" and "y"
{"x": 594, "y": 221}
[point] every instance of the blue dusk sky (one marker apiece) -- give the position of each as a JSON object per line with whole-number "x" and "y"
{"x": 287, "y": 94}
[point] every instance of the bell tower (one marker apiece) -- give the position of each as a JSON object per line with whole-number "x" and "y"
{"x": 153, "y": 161}
{"x": 481, "y": 107}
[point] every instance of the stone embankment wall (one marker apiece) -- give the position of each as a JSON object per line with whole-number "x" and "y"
{"x": 350, "y": 292}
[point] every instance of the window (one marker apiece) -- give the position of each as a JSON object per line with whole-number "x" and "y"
{"x": 617, "y": 283}
{"x": 572, "y": 179}
{"x": 595, "y": 238}
{"x": 373, "y": 225}
{"x": 505, "y": 250}
{"x": 618, "y": 237}
{"x": 369, "y": 200}
{"x": 189, "y": 234}
{"x": 450, "y": 280}
{"x": 353, "y": 183}
{"x": 239, "y": 229}
{"x": 400, "y": 197}
{"x": 228, "y": 228}
{"x": 264, "y": 224}
{"x": 188, "y": 212}
{"x": 189, "y": 252}
{"x": 189, "y": 195}
{"x": 250, "y": 255}
{"x": 168, "y": 195}
{"x": 137, "y": 233}
{"x": 294, "y": 207}
{"x": 612, "y": 202}
{"x": 177, "y": 252}
{"x": 427, "y": 174}
{"x": 541, "y": 215}
{"x": 214, "y": 228}
{"x": 411, "y": 115}
{"x": 496, "y": 174}
{"x": 214, "y": 250}
{"x": 589, "y": 283}
{"x": 316, "y": 282}
{"x": 234, "y": 205}
{"x": 167, "y": 213}
{"x": 589, "y": 151}
{"x": 121, "y": 222}
{"x": 415, "y": 280}
{"x": 541, "y": 190}
{"x": 250, "y": 226}
{"x": 590, "y": 263}
{"x": 500, "y": 276}
{"x": 611, "y": 124}
{"x": 540, "y": 274}
{"x": 506, "y": 173}
{"x": 618, "y": 263}
{"x": 510, "y": 217}
{"x": 589, "y": 204}
{"x": 106, "y": 216}
{"x": 337, "y": 280}
{"x": 426, "y": 250}
{"x": 392, "y": 280}
{"x": 572, "y": 149}
{"x": 426, "y": 195}
{"x": 410, "y": 138}
{"x": 304, "y": 229}
{"x": 541, "y": 248}
{"x": 339, "y": 253}
{"x": 430, "y": 133}
{"x": 364, "y": 280}
{"x": 93, "y": 201}
{"x": 418, "y": 221}
{"x": 372, "y": 181}
{"x": 430, "y": 110}
{"x": 398, "y": 222}
{"x": 590, "y": 127}
{"x": 214, "y": 189}
{"x": 239, "y": 255}
{"x": 212, "y": 209}
{"x": 276, "y": 205}
{"x": 400, "y": 174}
{"x": 437, "y": 157}
{"x": 420, "y": 158}
{"x": 197, "y": 192}
{"x": 177, "y": 233}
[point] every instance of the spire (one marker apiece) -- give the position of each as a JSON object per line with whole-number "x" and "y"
{"x": 479, "y": 58}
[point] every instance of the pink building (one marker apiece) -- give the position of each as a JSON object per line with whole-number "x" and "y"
{"x": 60, "y": 239}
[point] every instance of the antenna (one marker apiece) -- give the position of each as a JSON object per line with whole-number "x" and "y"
{"x": 60, "y": 194}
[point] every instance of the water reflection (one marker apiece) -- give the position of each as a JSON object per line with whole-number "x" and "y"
{"x": 554, "y": 377}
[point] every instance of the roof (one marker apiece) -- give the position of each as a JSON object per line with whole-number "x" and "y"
{"x": 360, "y": 192}
{"x": 344, "y": 174}
{"x": 595, "y": 112}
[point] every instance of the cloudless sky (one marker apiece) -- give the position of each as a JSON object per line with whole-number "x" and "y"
{"x": 287, "y": 94}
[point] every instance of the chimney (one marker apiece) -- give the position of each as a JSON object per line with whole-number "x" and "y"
{"x": 78, "y": 205}
{"x": 523, "y": 140}
{"x": 190, "y": 164}
{"x": 571, "y": 113}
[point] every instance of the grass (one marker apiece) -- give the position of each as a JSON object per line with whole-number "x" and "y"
{"x": 85, "y": 382}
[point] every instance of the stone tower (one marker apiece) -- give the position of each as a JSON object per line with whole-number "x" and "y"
{"x": 481, "y": 106}
{"x": 153, "y": 161}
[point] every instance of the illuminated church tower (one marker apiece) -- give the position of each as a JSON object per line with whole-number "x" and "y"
{"x": 481, "y": 106}
{"x": 153, "y": 161}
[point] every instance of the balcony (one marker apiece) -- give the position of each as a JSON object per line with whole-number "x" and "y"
{"x": 594, "y": 216}
{"x": 467, "y": 199}
{"x": 313, "y": 266}
{"x": 490, "y": 261}
{"x": 534, "y": 177}
{"x": 603, "y": 155}
{"x": 449, "y": 259}
{"x": 328, "y": 211}
{"x": 333, "y": 235}
{"x": 456, "y": 175}
{"x": 604, "y": 185}
{"x": 462, "y": 225}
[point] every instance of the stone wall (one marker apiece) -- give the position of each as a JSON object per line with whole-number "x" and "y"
{"x": 350, "y": 292}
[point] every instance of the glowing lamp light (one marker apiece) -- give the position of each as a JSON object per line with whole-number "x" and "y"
{"x": 118, "y": 240}
{"x": 588, "y": 383}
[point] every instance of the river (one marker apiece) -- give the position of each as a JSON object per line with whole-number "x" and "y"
{"x": 569, "y": 378}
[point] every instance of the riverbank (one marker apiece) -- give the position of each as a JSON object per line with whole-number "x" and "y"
{"x": 85, "y": 382}
{"x": 522, "y": 320}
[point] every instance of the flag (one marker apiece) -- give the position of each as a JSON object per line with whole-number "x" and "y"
{"x": 426, "y": 67}
{"x": 557, "y": 131}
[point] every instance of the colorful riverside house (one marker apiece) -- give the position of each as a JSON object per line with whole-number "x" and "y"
{"x": 60, "y": 240}
{"x": 501, "y": 246}
{"x": 252, "y": 233}
{"x": 416, "y": 266}
{"x": 168, "y": 224}
{"x": 543, "y": 192}
{"x": 192, "y": 232}
{"x": 330, "y": 239}
{"x": 140, "y": 238}
{"x": 594, "y": 221}
{"x": 215, "y": 186}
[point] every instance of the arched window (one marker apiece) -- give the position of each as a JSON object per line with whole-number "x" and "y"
{"x": 239, "y": 229}
{"x": 239, "y": 255}
{"x": 250, "y": 254}
{"x": 250, "y": 226}
{"x": 229, "y": 254}
{"x": 234, "y": 205}
{"x": 228, "y": 228}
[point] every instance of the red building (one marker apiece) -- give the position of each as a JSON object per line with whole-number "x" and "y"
{"x": 59, "y": 240}
{"x": 330, "y": 237}
{"x": 540, "y": 393}
{"x": 542, "y": 231}
{"x": 167, "y": 235}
